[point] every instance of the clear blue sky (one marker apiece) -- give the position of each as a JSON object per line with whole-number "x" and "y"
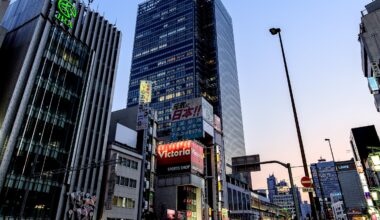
{"x": 320, "y": 39}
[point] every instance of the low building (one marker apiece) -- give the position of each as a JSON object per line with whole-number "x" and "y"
{"x": 337, "y": 206}
{"x": 129, "y": 188}
{"x": 239, "y": 198}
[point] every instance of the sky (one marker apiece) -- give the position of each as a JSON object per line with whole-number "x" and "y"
{"x": 323, "y": 54}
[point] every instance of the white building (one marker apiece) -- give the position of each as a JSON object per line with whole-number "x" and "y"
{"x": 123, "y": 177}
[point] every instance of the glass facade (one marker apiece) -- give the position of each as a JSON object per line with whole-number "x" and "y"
{"x": 228, "y": 84}
{"x": 325, "y": 179}
{"x": 186, "y": 49}
{"x": 163, "y": 53}
{"x": 47, "y": 134}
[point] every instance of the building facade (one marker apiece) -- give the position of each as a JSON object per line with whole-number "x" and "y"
{"x": 272, "y": 187}
{"x": 325, "y": 182}
{"x": 3, "y": 7}
{"x": 352, "y": 181}
{"x": 55, "y": 108}
{"x": 369, "y": 41}
{"x": 186, "y": 48}
{"x": 126, "y": 140}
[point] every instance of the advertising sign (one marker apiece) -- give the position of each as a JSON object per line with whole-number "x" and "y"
{"x": 145, "y": 92}
{"x": 217, "y": 123}
{"x": 187, "y": 119}
{"x": 142, "y": 117}
{"x": 66, "y": 12}
{"x": 180, "y": 157}
{"x": 187, "y": 129}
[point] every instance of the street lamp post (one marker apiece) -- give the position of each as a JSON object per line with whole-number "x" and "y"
{"x": 275, "y": 31}
{"x": 336, "y": 173}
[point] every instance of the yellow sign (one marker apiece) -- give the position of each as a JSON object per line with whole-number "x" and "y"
{"x": 145, "y": 92}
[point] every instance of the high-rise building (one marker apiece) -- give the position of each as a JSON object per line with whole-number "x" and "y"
{"x": 186, "y": 48}
{"x": 324, "y": 178}
{"x": 284, "y": 197}
{"x": 58, "y": 63}
{"x": 272, "y": 187}
{"x": 370, "y": 47}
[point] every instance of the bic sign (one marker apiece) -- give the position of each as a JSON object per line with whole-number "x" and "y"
{"x": 66, "y": 12}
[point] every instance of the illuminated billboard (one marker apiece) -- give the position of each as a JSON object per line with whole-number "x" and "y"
{"x": 180, "y": 157}
{"x": 145, "y": 92}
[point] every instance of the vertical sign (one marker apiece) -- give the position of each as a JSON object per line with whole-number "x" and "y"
{"x": 145, "y": 92}
{"x": 142, "y": 117}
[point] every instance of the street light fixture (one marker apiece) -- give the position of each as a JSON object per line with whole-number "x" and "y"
{"x": 275, "y": 31}
{"x": 332, "y": 154}
{"x": 336, "y": 173}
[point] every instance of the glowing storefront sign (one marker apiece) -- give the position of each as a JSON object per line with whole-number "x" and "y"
{"x": 179, "y": 157}
{"x": 66, "y": 12}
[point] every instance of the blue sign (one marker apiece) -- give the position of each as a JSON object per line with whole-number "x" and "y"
{"x": 187, "y": 129}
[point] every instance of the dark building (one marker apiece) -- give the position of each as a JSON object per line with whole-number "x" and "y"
{"x": 362, "y": 138}
{"x": 353, "y": 186}
{"x": 58, "y": 71}
{"x": 186, "y": 48}
{"x": 370, "y": 45}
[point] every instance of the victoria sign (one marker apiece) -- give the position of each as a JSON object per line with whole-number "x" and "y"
{"x": 180, "y": 157}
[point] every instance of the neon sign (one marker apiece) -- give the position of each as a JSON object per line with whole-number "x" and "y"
{"x": 66, "y": 11}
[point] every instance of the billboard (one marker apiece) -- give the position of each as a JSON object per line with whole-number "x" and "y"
{"x": 142, "y": 117}
{"x": 187, "y": 119}
{"x": 180, "y": 157}
{"x": 145, "y": 92}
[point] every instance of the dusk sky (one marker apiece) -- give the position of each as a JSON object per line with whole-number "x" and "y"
{"x": 323, "y": 54}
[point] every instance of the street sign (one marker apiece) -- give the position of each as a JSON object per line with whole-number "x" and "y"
{"x": 307, "y": 189}
{"x": 249, "y": 163}
{"x": 306, "y": 182}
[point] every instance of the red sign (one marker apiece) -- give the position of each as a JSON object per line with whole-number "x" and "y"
{"x": 306, "y": 182}
{"x": 178, "y": 157}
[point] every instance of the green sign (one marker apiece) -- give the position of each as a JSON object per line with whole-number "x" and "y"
{"x": 66, "y": 11}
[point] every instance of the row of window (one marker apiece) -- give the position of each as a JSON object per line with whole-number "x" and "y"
{"x": 123, "y": 202}
{"x": 128, "y": 163}
{"x": 124, "y": 181}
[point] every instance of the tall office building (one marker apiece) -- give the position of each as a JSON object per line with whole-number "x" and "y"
{"x": 58, "y": 63}
{"x": 370, "y": 48}
{"x": 272, "y": 187}
{"x": 187, "y": 49}
{"x": 325, "y": 182}
{"x": 324, "y": 178}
